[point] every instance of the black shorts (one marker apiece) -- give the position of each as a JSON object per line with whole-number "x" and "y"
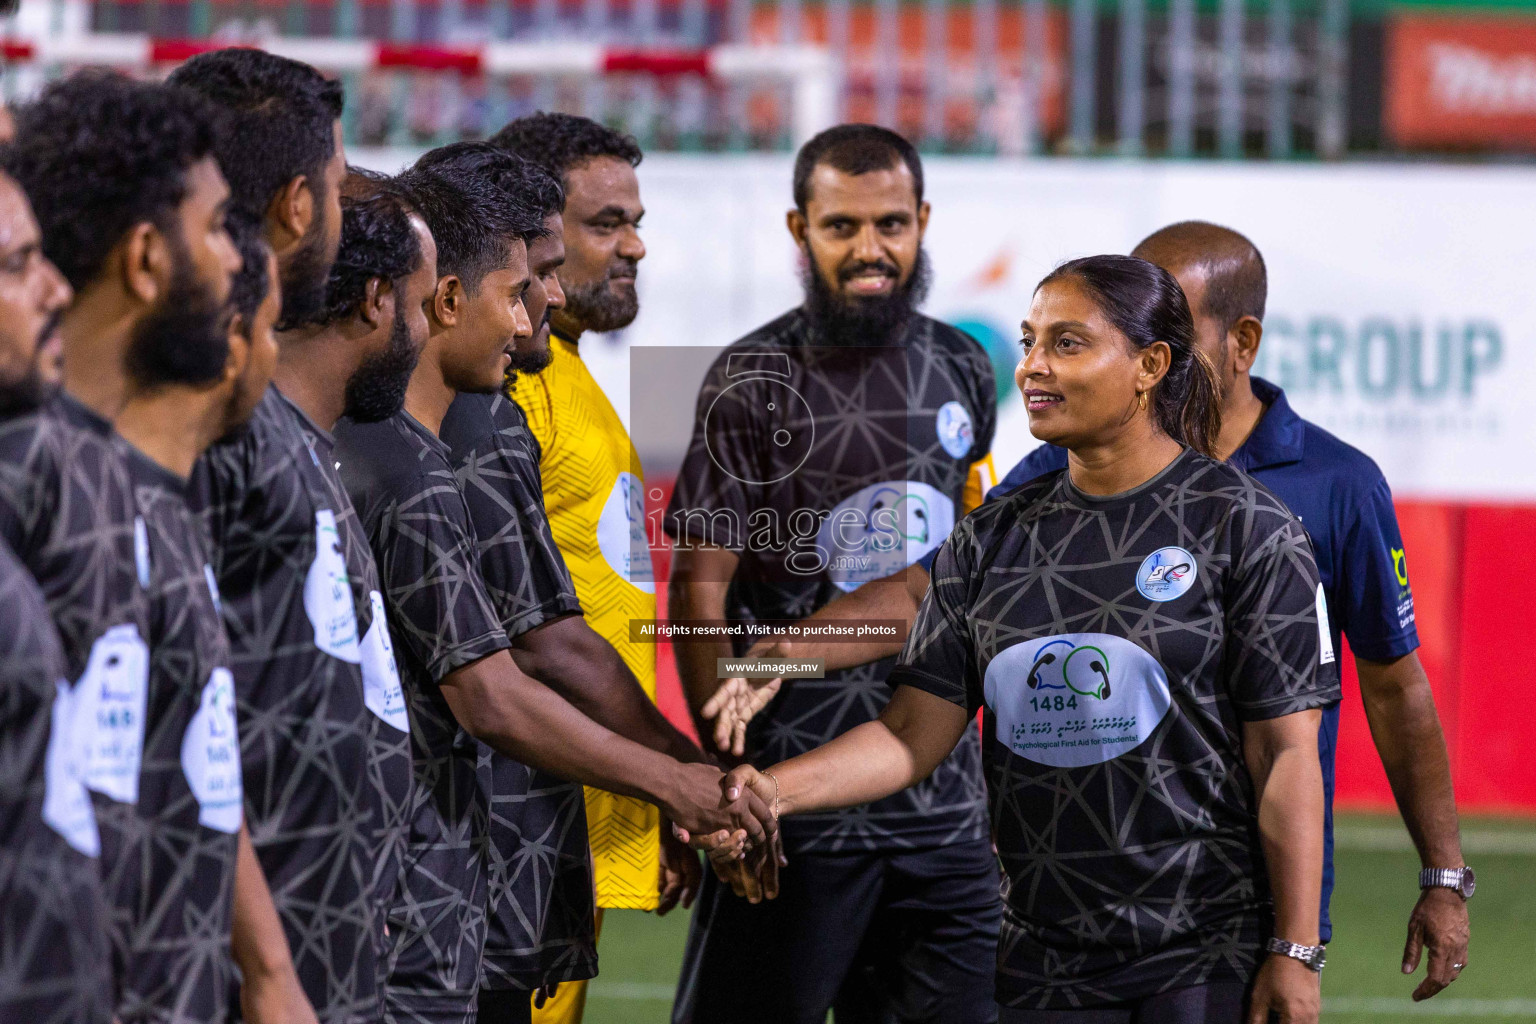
{"x": 1222, "y": 1002}
{"x": 908, "y": 937}
{"x": 505, "y": 1006}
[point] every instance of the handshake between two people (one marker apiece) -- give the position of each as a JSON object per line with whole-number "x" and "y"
{"x": 746, "y": 859}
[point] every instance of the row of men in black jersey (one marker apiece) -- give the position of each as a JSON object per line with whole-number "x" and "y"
{"x": 267, "y": 747}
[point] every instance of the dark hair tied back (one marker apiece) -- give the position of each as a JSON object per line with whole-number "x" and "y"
{"x": 377, "y": 241}
{"x": 1145, "y": 302}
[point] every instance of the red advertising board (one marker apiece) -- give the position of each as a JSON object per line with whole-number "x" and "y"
{"x": 1461, "y": 82}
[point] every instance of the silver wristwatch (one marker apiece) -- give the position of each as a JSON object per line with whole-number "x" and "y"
{"x": 1312, "y": 956}
{"x": 1461, "y": 880}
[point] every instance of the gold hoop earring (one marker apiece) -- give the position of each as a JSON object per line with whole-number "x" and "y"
{"x": 1141, "y": 400}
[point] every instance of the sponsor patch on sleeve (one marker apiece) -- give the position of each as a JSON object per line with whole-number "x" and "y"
{"x": 1325, "y": 655}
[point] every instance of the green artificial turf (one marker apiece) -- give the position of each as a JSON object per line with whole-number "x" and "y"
{"x": 1377, "y": 874}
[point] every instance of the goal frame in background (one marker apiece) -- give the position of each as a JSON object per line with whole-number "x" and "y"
{"x": 806, "y": 72}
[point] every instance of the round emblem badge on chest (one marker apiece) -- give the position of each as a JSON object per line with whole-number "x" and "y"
{"x": 1166, "y": 574}
{"x": 953, "y": 425}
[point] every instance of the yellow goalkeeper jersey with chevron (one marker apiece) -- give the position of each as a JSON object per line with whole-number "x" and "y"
{"x": 595, "y": 496}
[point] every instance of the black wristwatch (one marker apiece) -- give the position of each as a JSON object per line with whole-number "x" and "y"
{"x": 1459, "y": 880}
{"x": 1312, "y": 956}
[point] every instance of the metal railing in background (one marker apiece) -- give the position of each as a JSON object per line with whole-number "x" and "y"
{"x": 1181, "y": 78}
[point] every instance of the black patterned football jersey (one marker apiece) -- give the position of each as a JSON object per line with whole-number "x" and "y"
{"x": 540, "y": 879}
{"x": 824, "y": 468}
{"x": 321, "y": 709}
{"x": 400, "y": 479}
{"x": 55, "y": 965}
{"x": 1118, "y": 644}
{"x": 174, "y": 881}
{"x": 67, "y": 512}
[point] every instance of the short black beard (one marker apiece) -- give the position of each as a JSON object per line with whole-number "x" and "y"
{"x": 531, "y": 364}
{"x": 304, "y": 282}
{"x": 599, "y": 310}
{"x": 376, "y": 389}
{"x": 30, "y": 390}
{"x": 25, "y": 394}
{"x": 185, "y": 338}
{"x": 872, "y": 322}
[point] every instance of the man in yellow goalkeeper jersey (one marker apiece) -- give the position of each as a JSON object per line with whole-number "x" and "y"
{"x": 594, "y": 484}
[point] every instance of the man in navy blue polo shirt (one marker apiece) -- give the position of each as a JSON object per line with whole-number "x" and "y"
{"x": 1343, "y": 500}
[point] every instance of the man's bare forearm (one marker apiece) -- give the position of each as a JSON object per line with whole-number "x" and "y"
{"x": 257, "y": 941}
{"x": 1400, "y": 707}
{"x": 569, "y": 657}
{"x": 697, "y": 591}
{"x": 521, "y": 718}
{"x": 896, "y": 597}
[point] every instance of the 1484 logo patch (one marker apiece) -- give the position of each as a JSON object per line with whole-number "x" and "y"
{"x": 1166, "y": 574}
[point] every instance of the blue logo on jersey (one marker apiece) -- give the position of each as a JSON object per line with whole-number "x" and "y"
{"x": 1075, "y": 699}
{"x": 1167, "y": 574}
{"x": 881, "y": 528}
{"x": 954, "y": 427}
{"x": 1054, "y": 667}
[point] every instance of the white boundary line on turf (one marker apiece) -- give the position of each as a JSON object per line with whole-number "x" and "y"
{"x": 1390, "y": 838}
{"x": 1440, "y": 1006}
{"x": 1369, "y": 1006}
{"x": 638, "y": 990}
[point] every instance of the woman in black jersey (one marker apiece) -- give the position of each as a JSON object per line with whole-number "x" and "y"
{"x": 1146, "y": 635}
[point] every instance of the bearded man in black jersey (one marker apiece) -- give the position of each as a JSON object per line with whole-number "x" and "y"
{"x": 300, "y": 594}
{"x": 56, "y": 962}
{"x": 197, "y": 385}
{"x": 131, "y": 203}
{"x": 283, "y": 154}
{"x": 297, "y": 580}
{"x": 833, "y": 446}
